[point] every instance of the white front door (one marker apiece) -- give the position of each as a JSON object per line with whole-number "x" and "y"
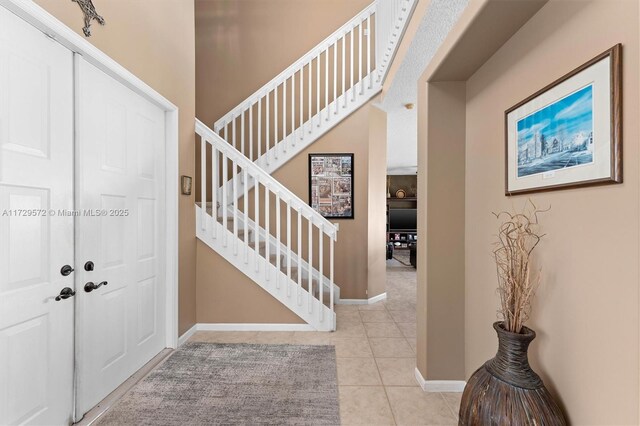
{"x": 120, "y": 192}
{"x": 36, "y": 238}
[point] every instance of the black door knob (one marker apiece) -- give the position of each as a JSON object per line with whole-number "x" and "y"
{"x": 66, "y": 270}
{"x": 89, "y": 287}
{"x": 65, "y": 293}
{"x": 88, "y": 266}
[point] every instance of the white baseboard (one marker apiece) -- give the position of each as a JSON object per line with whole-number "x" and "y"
{"x": 254, "y": 327}
{"x": 369, "y": 301}
{"x": 241, "y": 327}
{"x": 187, "y": 334}
{"x": 439, "y": 385}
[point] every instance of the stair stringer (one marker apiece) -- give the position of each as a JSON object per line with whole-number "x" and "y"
{"x": 263, "y": 273}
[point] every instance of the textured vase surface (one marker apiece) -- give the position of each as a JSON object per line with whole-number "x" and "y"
{"x": 506, "y": 391}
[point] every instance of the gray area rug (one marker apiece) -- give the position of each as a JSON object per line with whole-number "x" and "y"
{"x": 402, "y": 256}
{"x": 235, "y": 384}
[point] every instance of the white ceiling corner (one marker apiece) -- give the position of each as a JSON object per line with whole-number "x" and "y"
{"x": 402, "y": 124}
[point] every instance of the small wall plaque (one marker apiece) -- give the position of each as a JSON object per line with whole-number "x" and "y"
{"x": 186, "y": 185}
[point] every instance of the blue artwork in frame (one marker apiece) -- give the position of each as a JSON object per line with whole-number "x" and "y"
{"x": 569, "y": 133}
{"x": 558, "y": 136}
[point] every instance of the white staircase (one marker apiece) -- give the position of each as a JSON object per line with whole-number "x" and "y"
{"x": 269, "y": 234}
{"x": 319, "y": 90}
{"x": 252, "y": 220}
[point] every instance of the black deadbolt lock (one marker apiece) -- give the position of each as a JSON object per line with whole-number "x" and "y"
{"x": 66, "y": 270}
{"x": 88, "y": 266}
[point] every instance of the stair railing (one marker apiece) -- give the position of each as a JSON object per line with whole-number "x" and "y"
{"x": 392, "y": 17}
{"x": 302, "y": 98}
{"x": 220, "y": 163}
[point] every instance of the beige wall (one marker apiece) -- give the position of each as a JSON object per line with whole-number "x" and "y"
{"x": 240, "y": 46}
{"x": 227, "y": 296}
{"x": 377, "y": 202}
{"x": 586, "y": 311}
{"x": 155, "y": 40}
{"x": 440, "y": 308}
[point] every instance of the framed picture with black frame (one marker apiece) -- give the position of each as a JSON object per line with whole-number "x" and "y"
{"x": 331, "y": 185}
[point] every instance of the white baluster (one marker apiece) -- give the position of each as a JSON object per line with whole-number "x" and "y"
{"x": 378, "y": 19}
{"x": 344, "y": 67}
{"x": 267, "y": 147}
{"x": 289, "y": 248}
{"x": 335, "y": 77}
{"x": 250, "y": 133}
{"x": 310, "y": 274}
{"x": 225, "y": 181}
{"x": 351, "y": 64}
{"x": 360, "y": 57}
{"x": 284, "y": 115}
{"x": 233, "y": 131}
{"x": 320, "y": 266}
{"x": 278, "y": 241}
{"x": 203, "y": 189}
{"x": 234, "y": 183}
{"x": 318, "y": 88}
{"x": 242, "y": 133}
{"x": 259, "y": 128}
{"x": 275, "y": 123}
{"x": 302, "y": 103}
{"x": 331, "y": 241}
{"x": 293, "y": 109}
{"x": 299, "y": 298}
{"x": 214, "y": 191}
{"x": 256, "y": 218}
{"x": 245, "y": 202}
{"x": 326, "y": 82}
{"x": 369, "y": 35}
{"x": 310, "y": 95}
{"x": 267, "y": 234}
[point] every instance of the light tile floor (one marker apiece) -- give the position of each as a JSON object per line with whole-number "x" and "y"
{"x": 375, "y": 350}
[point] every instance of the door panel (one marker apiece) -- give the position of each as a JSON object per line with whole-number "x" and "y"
{"x": 120, "y": 179}
{"x": 36, "y": 237}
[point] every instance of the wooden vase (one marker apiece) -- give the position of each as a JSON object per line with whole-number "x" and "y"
{"x": 506, "y": 391}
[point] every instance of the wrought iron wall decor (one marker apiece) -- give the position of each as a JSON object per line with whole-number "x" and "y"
{"x": 90, "y": 14}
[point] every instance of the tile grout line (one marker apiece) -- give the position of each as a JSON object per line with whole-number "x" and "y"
{"x": 384, "y": 387}
{"x": 455, "y": 415}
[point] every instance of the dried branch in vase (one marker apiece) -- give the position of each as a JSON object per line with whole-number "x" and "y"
{"x": 518, "y": 237}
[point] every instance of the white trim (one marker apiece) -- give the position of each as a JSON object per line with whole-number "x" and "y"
{"x": 254, "y": 327}
{"x": 370, "y": 301}
{"x": 187, "y": 334}
{"x": 439, "y": 385}
{"x": 172, "y": 173}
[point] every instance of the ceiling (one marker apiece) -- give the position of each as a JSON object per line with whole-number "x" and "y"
{"x": 402, "y": 124}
